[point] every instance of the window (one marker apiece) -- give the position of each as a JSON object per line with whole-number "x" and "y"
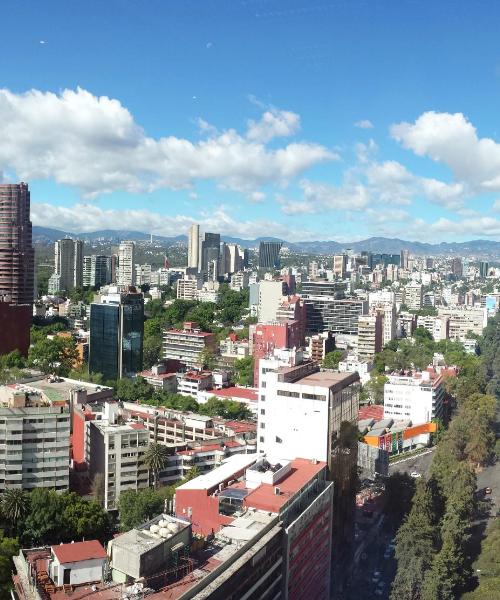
{"x": 261, "y": 439}
{"x": 263, "y": 398}
{"x": 288, "y": 394}
{"x": 313, "y": 397}
{"x": 278, "y": 440}
{"x": 262, "y": 425}
{"x": 262, "y": 411}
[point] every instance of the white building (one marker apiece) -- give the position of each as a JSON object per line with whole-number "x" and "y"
{"x": 414, "y": 296}
{"x": 187, "y": 288}
{"x": 142, "y": 275}
{"x": 116, "y": 453}
{"x": 352, "y": 365}
{"x": 418, "y": 397}
{"x": 438, "y": 326}
{"x": 464, "y": 319}
{"x": 194, "y": 247}
{"x": 77, "y": 563}
{"x": 270, "y": 297}
{"x": 301, "y": 408}
{"x": 125, "y": 275}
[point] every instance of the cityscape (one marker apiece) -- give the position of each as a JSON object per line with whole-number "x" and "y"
{"x": 226, "y": 372}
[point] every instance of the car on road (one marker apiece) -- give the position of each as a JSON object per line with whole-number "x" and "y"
{"x": 487, "y": 490}
{"x": 415, "y": 475}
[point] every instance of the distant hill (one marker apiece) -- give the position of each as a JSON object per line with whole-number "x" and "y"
{"x": 487, "y": 248}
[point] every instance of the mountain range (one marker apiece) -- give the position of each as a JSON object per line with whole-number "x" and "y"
{"x": 487, "y": 248}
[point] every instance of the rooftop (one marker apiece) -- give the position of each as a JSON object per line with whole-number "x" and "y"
{"x": 329, "y": 379}
{"x": 229, "y": 466}
{"x": 236, "y": 392}
{"x": 78, "y": 551}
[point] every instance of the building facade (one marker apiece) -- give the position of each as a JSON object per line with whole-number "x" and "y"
{"x": 125, "y": 275}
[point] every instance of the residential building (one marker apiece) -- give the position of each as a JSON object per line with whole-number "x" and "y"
{"x": 68, "y": 262}
{"x": 387, "y": 310}
{"x": 269, "y": 255}
{"x": 457, "y": 268}
{"x": 351, "y": 364}
{"x": 333, "y": 289}
{"x": 369, "y": 336}
{"x": 36, "y": 434}
{"x": 240, "y": 280}
{"x": 161, "y": 378}
{"x": 301, "y": 408}
{"x": 143, "y": 275}
{"x": 438, "y": 327}
{"x": 406, "y": 324}
{"x": 404, "y": 260}
{"x": 320, "y": 345}
{"x": 192, "y": 382}
{"x": 194, "y": 247}
{"x": 413, "y": 296}
{"x": 125, "y": 275}
{"x": 116, "y": 454}
{"x": 116, "y": 334}
{"x": 187, "y": 288}
{"x": 270, "y": 297}
{"x": 464, "y": 320}
{"x": 418, "y": 397}
{"x": 189, "y": 346}
{"x": 96, "y": 270}
{"x": 17, "y": 256}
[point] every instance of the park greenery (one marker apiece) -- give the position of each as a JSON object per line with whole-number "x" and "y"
{"x": 332, "y": 359}
{"x": 433, "y": 541}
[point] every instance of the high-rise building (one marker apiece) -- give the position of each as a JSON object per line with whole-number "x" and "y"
{"x": 188, "y": 345}
{"x": 483, "y": 269}
{"x": 405, "y": 256}
{"x": 269, "y": 255}
{"x": 210, "y": 251}
{"x": 325, "y": 313}
{"x": 194, "y": 247}
{"x": 369, "y": 336}
{"x": 340, "y": 265}
{"x": 457, "y": 267}
{"x": 126, "y": 264}
{"x": 414, "y": 296}
{"x": 68, "y": 265}
{"x": 17, "y": 256}
{"x": 96, "y": 270}
{"x": 116, "y": 334}
{"x": 15, "y": 323}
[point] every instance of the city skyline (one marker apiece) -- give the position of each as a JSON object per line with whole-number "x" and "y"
{"x": 288, "y": 146}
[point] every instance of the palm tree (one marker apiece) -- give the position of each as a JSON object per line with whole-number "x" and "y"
{"x": 14, "y": 505}
{"x": 155, "y": 458}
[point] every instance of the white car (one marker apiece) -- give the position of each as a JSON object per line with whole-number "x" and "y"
{"x": 415, "y": 475}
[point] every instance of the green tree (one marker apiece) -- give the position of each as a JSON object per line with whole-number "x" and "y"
{"x": 136, "y": 507}
{"x": 14, "y": 506}
{"x": 44, "y": 524}
{"x": 134, "y": 390}
{"x": 332, "y": 359}
{"x": 243, "y": 371}
{"x": 84, "y": 519}
{"x": 57, "y": 355}
{"x": 156, "y": 458}
{"x": 9, "y": 547}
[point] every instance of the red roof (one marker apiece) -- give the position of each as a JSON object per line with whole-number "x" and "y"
{"x": 78, "y": 551}
{"x": 211, "y": 447}
{"x": 371, "y": 412}
{"x": 137, "y": 426}
{"x": 236, "y": 392}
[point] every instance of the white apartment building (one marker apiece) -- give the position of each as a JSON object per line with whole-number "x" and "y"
{"x": 194, "y": 247}
{"x": 116, "y": 452}
{"x": 125, "y": 274}
{"x": 187, "y": 345}
{"x": 142, "y": 275}
{"x": 464, "y": 319}
{"x": 352, "y": 365}
{"x": 300, "y": 409}
{"x": 36, "y": 440}
{"x": 438, "y": 326}
{"x": 270, "y": 297}
{"x": 414, "y": 296}
{"x": 418, "y": 397}
{"x": 240, "y": 280}
{"x": 187, "y": 288}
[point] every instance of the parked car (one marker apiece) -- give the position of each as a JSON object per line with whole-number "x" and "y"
{"x": 415, "y": 475}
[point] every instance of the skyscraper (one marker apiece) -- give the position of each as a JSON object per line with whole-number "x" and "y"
{"x": 194, "y": 246}
{"x": 405, "y": 255}
{"x": 210, "y": 250}
{"x": 126, "y": 263}
{"x": 17, "y": 256}
{"x": 96, "y": 270}
{"x": 116, "y": 334}
{"x": 269, "y": 255}
{"x": 68, "y": 262}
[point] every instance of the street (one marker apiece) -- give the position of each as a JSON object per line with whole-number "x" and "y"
{"x": 420, "y": 463}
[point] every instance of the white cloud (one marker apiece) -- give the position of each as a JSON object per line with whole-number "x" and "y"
{"x": 452, "y": 139}
{"x": 94, "y": 144}
{"x": 364, "y": 124}
{"x": 273, "y": 123}
{"x": 84, "y": 218}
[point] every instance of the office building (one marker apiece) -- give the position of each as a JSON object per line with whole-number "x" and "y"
{"x": 418, "y": 397}
{"x": 483, "y": 268}
{"x": 339, "y": 316}
{"x": 369, "y": 336}
{"x": 404, "y": 259}
{"x": 17, "y": 256}
{"x": 36, "y": 434}
{"x": 334, "y": 289}
{"x": 269, "y": 255}
{"x": 125, "y": 274}
{"x": 457, "y": 268}
{"x": 189, "y": 345}
{"x": 194, "y": 247}
{"x": 301, "y": 409}
{"x": 210, "y": 252}
{"x": 116, "y": 334}
{"x": 340, "y": 265}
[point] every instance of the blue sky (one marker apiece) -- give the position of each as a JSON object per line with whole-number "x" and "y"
{"x": 304, "y": 119}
